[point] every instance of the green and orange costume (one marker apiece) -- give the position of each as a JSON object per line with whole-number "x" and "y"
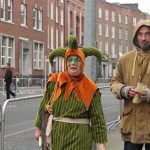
{"x": 75, "y": 97}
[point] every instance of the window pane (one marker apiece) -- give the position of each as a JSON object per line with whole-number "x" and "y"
{"x": 7, "y": 50}
{"x": 10, "y": 42}
{"x": 3, "y": 51}
{"x": 35, "y": 55}
{"x": 3, "y": 41}
{"x": 3, "y": 9}
{"x": 40, "y": 66}
{"x": 35, "y": 18}
{"x": 36, "y": 46}
{"x": 10, "y": 10}
{"x": 3, "y": 61}
{"x": 35, "y": 64}
{"x": 9, "y": 60}
{"x": 23, "y": 14}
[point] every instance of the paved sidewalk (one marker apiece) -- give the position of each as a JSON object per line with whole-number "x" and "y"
{"x": 114, "y": 141}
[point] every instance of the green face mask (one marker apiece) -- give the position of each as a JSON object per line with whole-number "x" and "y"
{"x": 72, "y": 59}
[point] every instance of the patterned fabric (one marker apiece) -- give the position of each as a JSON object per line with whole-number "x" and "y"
{"x": 66, "y": 136}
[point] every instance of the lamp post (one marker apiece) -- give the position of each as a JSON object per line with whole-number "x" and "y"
{"x": 46, "y": 60}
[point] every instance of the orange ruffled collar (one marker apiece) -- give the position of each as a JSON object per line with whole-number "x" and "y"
{"x": 78, "y": 83}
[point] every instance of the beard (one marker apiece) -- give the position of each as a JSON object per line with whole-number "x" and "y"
{"x": 145, "y": 47}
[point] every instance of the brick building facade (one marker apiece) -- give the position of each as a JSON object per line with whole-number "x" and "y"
{"x": 114, "y": 27}
{"x": 29, "y": 30}
{"x": 23, "y": 36}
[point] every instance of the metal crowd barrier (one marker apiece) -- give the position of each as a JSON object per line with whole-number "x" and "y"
{"x": 1, "y": 126}
{"x": 114, "y": 105}
{"x": 17, "y": 119}
{"x": 24, "y": 85}
{"x": 17, "y": 130}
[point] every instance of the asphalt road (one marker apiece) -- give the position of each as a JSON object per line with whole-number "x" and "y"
{"x": 20, "y": 115}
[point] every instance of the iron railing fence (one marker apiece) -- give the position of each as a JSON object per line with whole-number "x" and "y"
{"x": 17, "y": 119}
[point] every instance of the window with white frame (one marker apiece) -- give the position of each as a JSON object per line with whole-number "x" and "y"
{"x": 62, "y": 17}
{"x": 57, "y": 14}
{"x": 126, "y": 19}
{"x": 23, "y": 14}
{"x": 38, "y": 55}
{"x": 7, "y": 50}
{"x": 113, "y": 16}
{"x": 100, "y": 13}
{"x": 120, "y": 33}
{"x": 106, "y": 14}
{"x": 113, "y": 49}
{"x": 113, "y": 32}
{"x": 40, "y": 20}
{"x": 100, "y": 45}
{"x": 2, "y": 9}
{"x": 120, "y": 48}
{"x": 100, "y": 29}
{"x": 10, "y": 10}
{"x": 134, "y": 21}
{"x": 126, "y": 34}
{"x": 52, "y": 37}
{"x": 106, "y": 47}
{"x": 127, "y": 48}
{"x": 106, "y": 30}
{"x": 35, "y": 18}
{"x": 51, "y": 11}
{"x": 120, "y": 18}
{"x": 62, "y": 39}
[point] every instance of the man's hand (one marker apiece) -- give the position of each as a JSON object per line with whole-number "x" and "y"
{"x": 132, "y": 93}
{"x": 38, "y": 133}
{"x": 143, "y": 96}
{"x": 102, "y": 146}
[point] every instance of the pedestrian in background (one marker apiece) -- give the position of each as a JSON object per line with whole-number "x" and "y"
{"x": 8, "y": 80}
{"x": 131, "y": 82}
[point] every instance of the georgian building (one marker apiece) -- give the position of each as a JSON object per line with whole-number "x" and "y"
{"x": 66, "y": 17}
{"x": 23, "y": 36}
{"x": 29, "y": 30}
{"x": 114, "y": 27}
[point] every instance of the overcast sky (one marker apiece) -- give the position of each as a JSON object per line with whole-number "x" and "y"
{"x": 143, "y": 4}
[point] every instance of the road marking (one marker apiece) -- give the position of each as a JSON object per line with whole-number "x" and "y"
{"x": 19, "y": 132}
{"x": 110, "y": 107}
{"x": 11, "y": 106}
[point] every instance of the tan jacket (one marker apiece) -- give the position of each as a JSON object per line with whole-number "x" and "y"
{"x": 135, "y": 123}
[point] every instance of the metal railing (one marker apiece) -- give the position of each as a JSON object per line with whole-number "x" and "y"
{"x": 17, "y": 119}
{"x": 115, "y": 104}
{"x": 24, "y": 85}
{"x": 18, "y": 114}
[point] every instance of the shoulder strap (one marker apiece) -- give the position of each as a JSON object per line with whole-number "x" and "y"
{"x": 51, "y": 101}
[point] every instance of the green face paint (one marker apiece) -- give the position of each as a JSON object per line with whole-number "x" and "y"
{"x": 76, "y": 60}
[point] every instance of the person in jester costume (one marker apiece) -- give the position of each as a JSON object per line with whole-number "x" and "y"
{"x": 77, "y": 118}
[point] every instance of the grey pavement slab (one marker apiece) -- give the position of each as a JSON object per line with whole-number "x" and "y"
{"x": 114, "y": 141}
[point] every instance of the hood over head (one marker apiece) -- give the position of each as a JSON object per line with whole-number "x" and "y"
{"x": 136, "y": 28}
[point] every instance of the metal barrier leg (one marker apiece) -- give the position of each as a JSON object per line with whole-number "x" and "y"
{"x": 0, "y": 127}
{"x": 3, "y": 93}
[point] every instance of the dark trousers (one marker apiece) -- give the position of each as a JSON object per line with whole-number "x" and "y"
{"x": 131, "y": 146}
{"x": 8, "y": 91}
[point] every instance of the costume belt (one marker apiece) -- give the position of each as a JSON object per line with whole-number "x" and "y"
{"x": 70, "y": 120}
{"x": 62, "y": 119}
